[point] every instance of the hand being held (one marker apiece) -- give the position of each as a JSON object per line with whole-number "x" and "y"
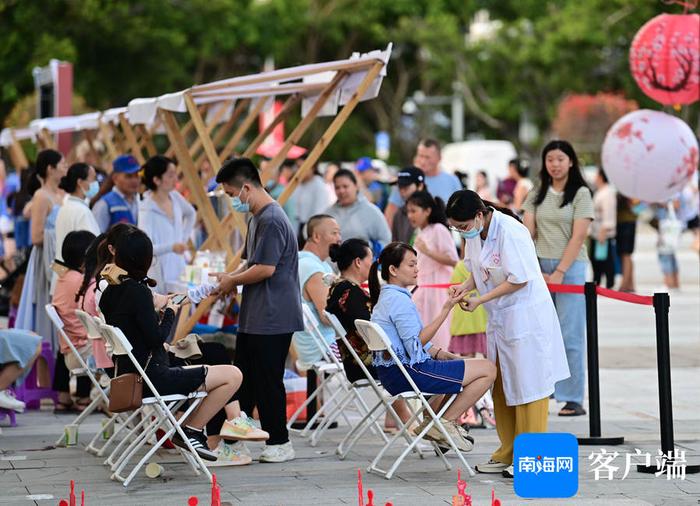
{"x": 470, "y": 304}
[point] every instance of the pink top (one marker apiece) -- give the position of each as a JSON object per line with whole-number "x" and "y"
{"x": 64, "y": 300}
{"x": 429, "y": 301}
{"x": 102, "y": 360}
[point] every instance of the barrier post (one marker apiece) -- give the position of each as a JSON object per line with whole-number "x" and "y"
{"x": 662, "y": 304}
{"x": 595, "y": 438}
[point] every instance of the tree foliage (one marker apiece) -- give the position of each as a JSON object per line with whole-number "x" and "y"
{"x": 543, "y": 50}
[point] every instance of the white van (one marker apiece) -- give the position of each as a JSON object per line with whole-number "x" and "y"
{"x": 470, "y": 157}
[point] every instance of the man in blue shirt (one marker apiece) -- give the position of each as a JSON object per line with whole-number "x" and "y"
{"x": 121, "y": 205}
{"x": 439, "y": 183}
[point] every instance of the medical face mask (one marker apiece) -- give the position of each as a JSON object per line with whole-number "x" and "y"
{"x": 92, "y": 190}
{"x": 241, "y": 207}
{"x": 474, "y": 231}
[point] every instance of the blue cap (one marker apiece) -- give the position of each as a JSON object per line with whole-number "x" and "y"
{"x": 126, "y": 164}
{"x": 363, "y": 164}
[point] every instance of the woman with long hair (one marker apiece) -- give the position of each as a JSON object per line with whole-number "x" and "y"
{"x": 129, "y": 306}
{"x": 558, "y": 213}
{"x": 433, "y": 369}
{"x": 42, "y": 210}
{"x": 168, "y": 219}
{"x": 437, "y": 254}
{"x": 523, "y": 335}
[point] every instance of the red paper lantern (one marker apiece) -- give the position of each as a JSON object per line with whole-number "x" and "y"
{"x": 665, "y": 58}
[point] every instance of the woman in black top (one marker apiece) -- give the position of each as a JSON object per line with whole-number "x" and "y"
{"x": 129, "y": 306}
{"x": 349, "y": 302}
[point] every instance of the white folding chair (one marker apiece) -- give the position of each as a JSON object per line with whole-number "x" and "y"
{"x": 83, "y": 370}
{"x": 377, "y": 411}
{"x": 92, "y": 326}
{"x": 162, "y": 409}
{"x": 326, "y": 370}
{"x": 377, "y": 341}
{"x": 342, "y": 397}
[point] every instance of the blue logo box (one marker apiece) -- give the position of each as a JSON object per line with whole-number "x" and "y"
{"x": 545, "y": 465}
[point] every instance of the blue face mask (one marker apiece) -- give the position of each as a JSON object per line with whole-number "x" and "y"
{"x": 241, "y": 207}
{"x": 473, "y": 232}
{"x": 92, "y": 190}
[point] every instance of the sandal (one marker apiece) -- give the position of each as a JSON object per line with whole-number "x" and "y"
{"x": 64, "y": 408}
{"x": 572, "y": 409}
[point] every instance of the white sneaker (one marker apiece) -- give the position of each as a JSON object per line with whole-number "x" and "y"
{"x": 7, "y": 400}
{"x": 491, "y": 467}
{"x": 508, "y": 472}
{"x": 230, "y": 455}
{"x": 277, "y": 453}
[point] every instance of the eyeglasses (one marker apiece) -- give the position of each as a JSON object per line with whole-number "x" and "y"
{"x": 457, "y": 229}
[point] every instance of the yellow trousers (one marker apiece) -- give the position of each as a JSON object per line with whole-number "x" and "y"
{"x": 514, "y": 420}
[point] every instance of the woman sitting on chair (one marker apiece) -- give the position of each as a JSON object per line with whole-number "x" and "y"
{"x": 73, "y": 251}
{"x": 434, "y": 371}
{"x": 128, "y": 305}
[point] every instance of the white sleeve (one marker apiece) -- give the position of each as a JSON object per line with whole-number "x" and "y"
{"x": 518, "y": 256}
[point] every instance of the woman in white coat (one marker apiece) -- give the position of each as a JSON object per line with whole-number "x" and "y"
{"x": 523, "y": 334}
{"x": 168, "y": 220}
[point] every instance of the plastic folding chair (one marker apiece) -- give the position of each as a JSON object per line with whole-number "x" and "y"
{"x": 162, "y": 409}
{"x": 377, "y": 340}
{"x": 83, "y": 370}
{"x": 345, "y": 395}
{"x": 92, "y": 326}
{"x": 326, "y": 369}
{"x": 377, "y": 411}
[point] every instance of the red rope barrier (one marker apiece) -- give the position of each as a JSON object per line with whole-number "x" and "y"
{"x": 632, "y": 298}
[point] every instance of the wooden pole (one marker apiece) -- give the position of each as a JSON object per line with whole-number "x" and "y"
{"x": 202, "y": 134}
{"x": 289, "y": 104}
{"x": 197, "y": 190}
{"x": 330, "y": 132}
{"x": 194, "y": 148}
{"x": 146, "y": 140}
{"x": 242, "y": 129}
{"x": 107, "y": 139}
{"x": 301, "y": 128}
{"x": 131, "y": 139}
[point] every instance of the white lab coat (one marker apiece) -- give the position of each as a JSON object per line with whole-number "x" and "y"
{"x": 523, "y": 329}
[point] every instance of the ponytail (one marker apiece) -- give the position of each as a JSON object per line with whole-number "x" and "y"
{"x": 392, "y": 255}
{"x": 76, "y": 172}
{"x": 502, "y": 209}
{"x": 45, "y": 159}
{"x": 374, "y": 286}
{"x": 465, "y": 204}
{"x": 425, "y": 200}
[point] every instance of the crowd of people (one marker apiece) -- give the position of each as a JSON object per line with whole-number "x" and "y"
{"x": 345, "y": 243}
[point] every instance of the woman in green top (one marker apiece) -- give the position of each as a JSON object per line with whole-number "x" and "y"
{"x": 558, "y": 213}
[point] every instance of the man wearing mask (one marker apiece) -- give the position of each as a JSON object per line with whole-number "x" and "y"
{"x": 408, "y": 181}
{"x": 121, "y": 205}
{"x": 437, "y": 182}
{"x": 271, "y": 303}
{"x": 323, "y": 234}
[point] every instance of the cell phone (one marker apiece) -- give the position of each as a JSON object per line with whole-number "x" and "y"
{"x": 178, "y": 298}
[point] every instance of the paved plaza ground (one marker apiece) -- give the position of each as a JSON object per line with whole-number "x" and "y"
{"x": 30, "y": 473}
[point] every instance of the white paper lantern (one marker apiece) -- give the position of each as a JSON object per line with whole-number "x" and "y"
{"x": 650, "y": 155}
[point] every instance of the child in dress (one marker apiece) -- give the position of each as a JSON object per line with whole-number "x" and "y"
{"x": 437, "y": 254}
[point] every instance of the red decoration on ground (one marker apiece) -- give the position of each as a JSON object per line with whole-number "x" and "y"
{"x": 192, "y": 501}
{"x": 665, "y": 58}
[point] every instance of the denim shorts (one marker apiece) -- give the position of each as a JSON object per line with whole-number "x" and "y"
{"x": 430, "y": 376}
{"x": 669, "y": 264}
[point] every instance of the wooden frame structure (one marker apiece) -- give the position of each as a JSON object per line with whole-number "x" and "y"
{"x": 211, "y": 122}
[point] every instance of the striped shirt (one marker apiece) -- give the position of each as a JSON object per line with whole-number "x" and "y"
{"x": 555, "y": 224}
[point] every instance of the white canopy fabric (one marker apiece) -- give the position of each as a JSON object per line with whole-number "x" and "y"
{"x": 306, "y": 80}
{"x": 20, "y": 134}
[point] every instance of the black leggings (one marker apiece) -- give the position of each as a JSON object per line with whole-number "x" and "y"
{"x": 61, "y": 379}
{"x": 604, "y": 267}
